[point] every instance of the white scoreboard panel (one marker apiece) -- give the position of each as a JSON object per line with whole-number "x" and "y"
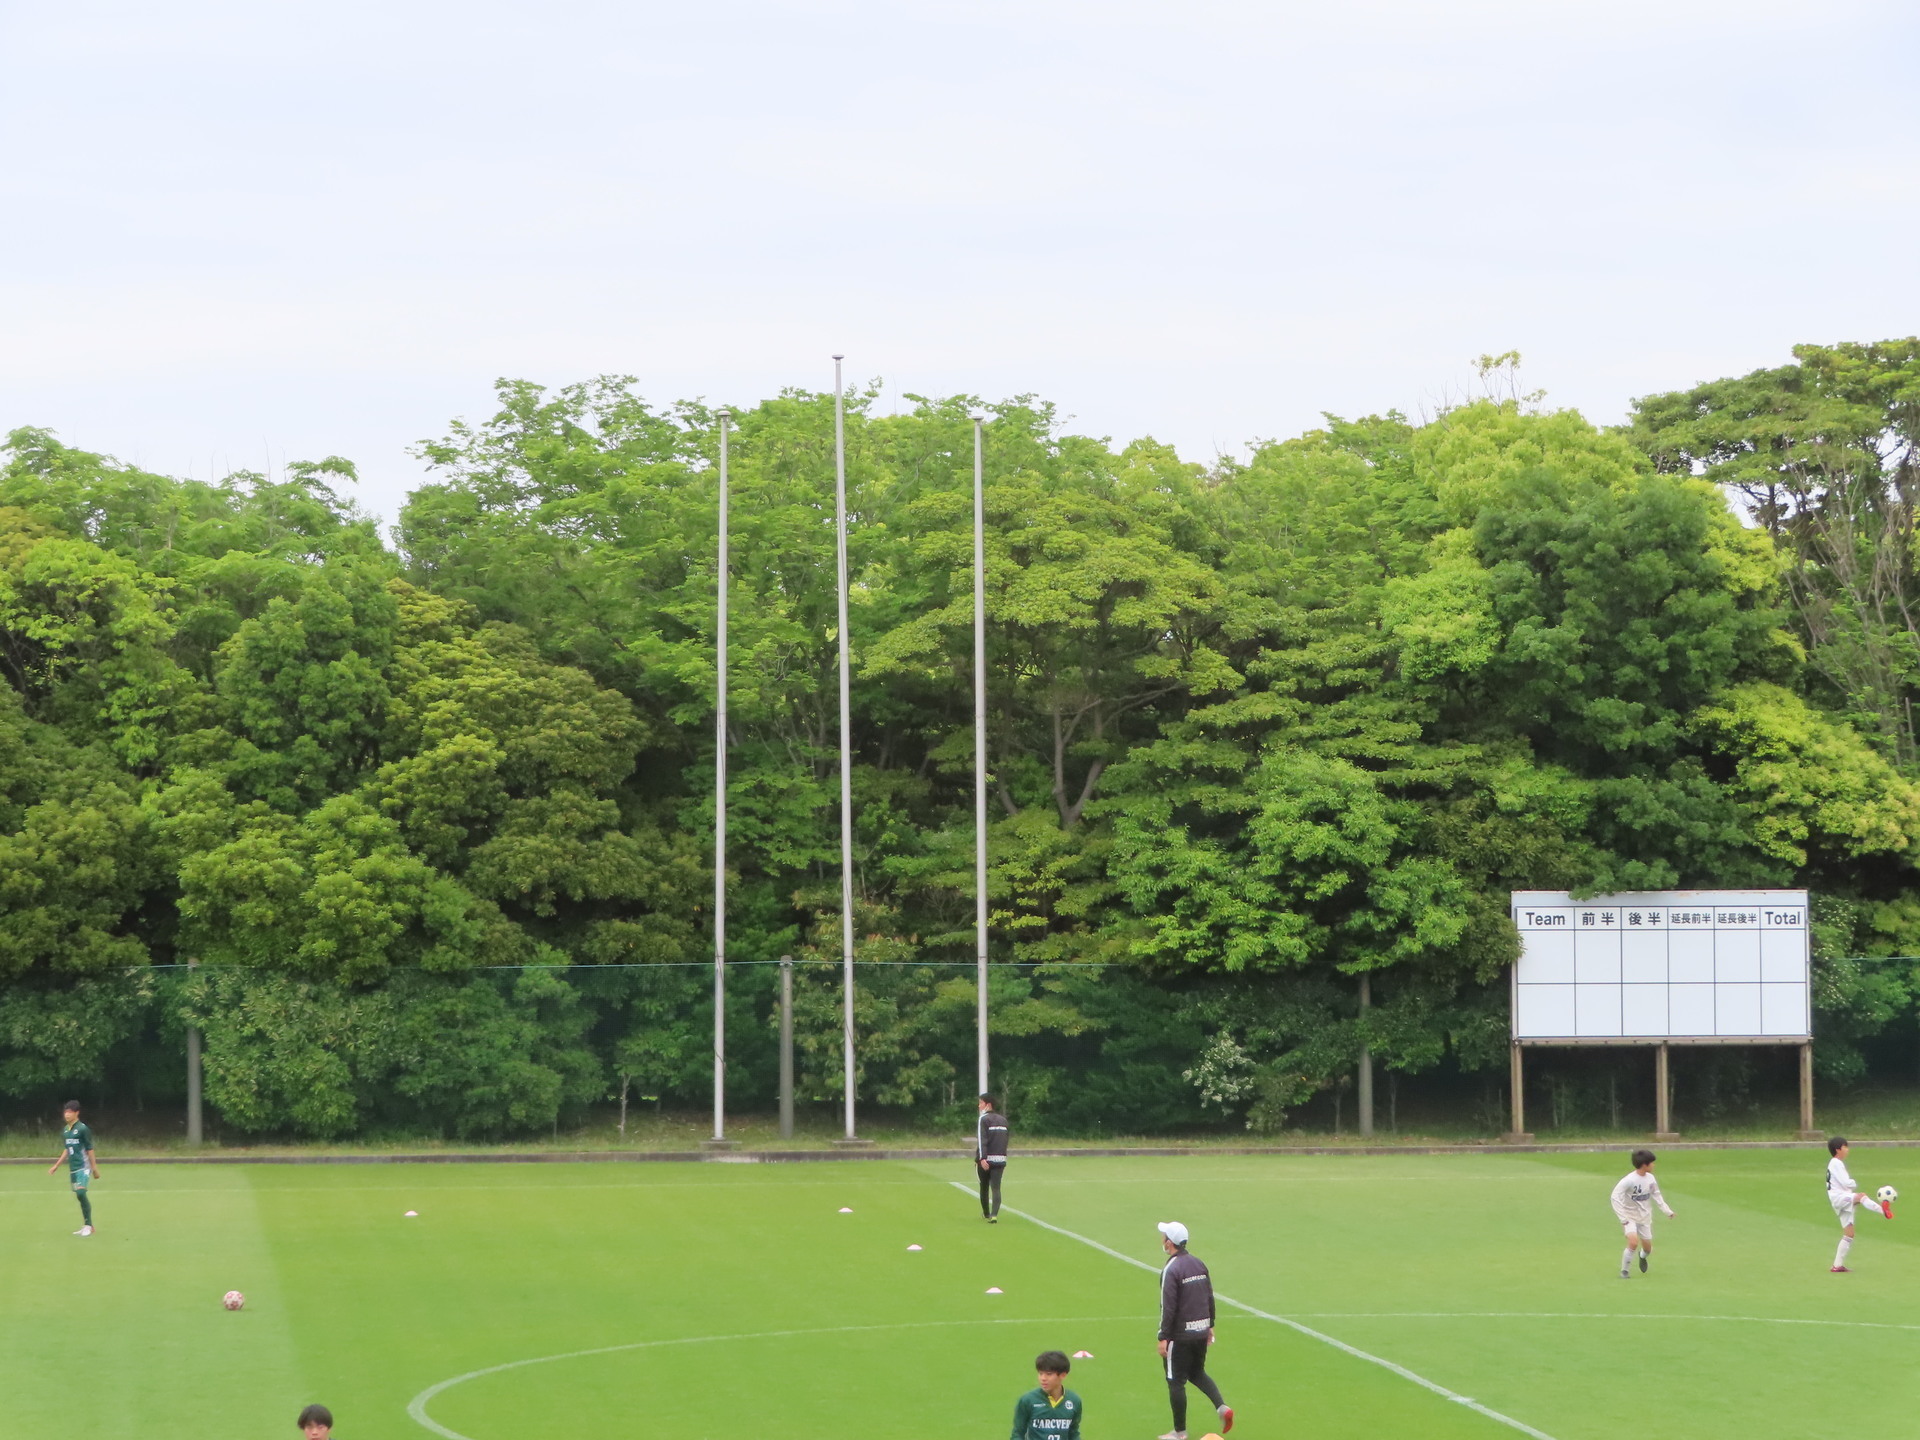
{"x": 1663, "y": 965}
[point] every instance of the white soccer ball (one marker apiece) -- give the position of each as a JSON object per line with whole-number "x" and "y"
{"x": 1886, "y": 1193}
{"x": 233, "y": 1299}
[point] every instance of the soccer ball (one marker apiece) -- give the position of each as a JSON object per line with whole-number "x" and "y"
{"x": 1886, "y": 1193}
{"x": 233, "y": 1300}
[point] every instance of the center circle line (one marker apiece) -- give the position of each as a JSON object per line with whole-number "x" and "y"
{"x": 417, "y": 1407}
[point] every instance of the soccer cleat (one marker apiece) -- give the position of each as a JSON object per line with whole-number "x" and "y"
{"x": 1886, "y": 1208}
{"x": 1174, "y": 1435}
{"x": 1643, "y": 1264}
{"x": 84, "y": 1230}
{"x": 1840, "y": 1270}
{"x": 993, "y": 1219}
{"x": 1626, "y": 1274}
{"x": 1226, "y": 1418}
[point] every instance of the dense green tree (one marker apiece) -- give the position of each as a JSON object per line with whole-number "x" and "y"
{"x": 1825, "y": 454}
{"x": 1265, "y": 737}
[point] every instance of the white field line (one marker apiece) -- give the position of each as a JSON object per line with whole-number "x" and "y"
{"x": 425, "y": 1189}
{"x": 417, "y": 1407}
{"x": 1307, "y": 1330}
{"x": 1595, "y": 1315}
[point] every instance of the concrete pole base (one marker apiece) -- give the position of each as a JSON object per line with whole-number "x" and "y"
{"x": 1665, "y": 1137}
{"x": 719, "y": 1144}
{"x": 1809, "y": 1134}
{"x": 853, "y": 1144}
{"x": 1517, "y": 1137}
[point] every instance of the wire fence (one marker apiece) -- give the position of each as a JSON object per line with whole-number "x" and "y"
{"x": 997, "y": 966}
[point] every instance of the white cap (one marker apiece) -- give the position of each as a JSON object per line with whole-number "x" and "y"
{"x": 1174, "y": 1231}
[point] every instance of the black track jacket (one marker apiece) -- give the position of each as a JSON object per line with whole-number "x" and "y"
{"x": 1186, "y": 1298}
{"x": 991, "y": 1137}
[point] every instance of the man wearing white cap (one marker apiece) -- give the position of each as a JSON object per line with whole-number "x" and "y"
{"x": 1186, "y": 1329}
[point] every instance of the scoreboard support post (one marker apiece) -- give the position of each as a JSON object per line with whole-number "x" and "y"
{"x": 1517, "y": 1085}
{"x": 1663, "y": 1095}
{"x": 1807, "y": 1130}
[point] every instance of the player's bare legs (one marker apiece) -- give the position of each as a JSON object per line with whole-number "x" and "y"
{"x": 1636, "y": 1244}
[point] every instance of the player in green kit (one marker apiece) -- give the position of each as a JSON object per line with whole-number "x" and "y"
{"x": 81, "y": 1166}
{"x": 1049, "y": 1411}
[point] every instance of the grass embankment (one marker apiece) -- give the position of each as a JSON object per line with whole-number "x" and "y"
{"x": 1881, "y": 1113}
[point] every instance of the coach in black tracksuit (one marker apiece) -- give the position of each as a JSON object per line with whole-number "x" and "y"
{"x": 990, "y": 1157}
{"x": 1186, "y": 1329}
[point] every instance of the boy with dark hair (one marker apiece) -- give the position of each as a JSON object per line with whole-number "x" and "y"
{"x": 1186, "y": 1329}
{"x": 316, "y": 1422}
{"x": 1049, "y": 1411}
{"x": 1843, "y": 1195}
{"x": 1633, "y": 1201}
{"x": 76, "y": 1142}
{"x": 990, "y": 1157}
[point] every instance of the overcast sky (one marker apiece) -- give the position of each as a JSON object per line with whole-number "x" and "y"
{"x": 242, "y": 231}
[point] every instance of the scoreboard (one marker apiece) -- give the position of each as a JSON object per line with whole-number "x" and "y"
{"x": 1671, "y": 965}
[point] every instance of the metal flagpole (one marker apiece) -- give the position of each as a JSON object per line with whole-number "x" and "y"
{"x": 846, "y": 738}
{"x": 720, "y": 815}
{"x": 980, "y": 742}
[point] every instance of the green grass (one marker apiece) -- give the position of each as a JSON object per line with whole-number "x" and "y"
{"x": 1880, "y": 1112}
{"x": 1883, "y": 1110}
{"x": 742, "y": 1304}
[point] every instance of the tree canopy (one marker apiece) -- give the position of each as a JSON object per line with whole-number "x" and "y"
{"x": 429, "y": 816}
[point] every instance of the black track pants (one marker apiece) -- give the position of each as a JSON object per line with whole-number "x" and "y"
{"x": 989, "y": 1187}
{"x": 1187, "y": 1361}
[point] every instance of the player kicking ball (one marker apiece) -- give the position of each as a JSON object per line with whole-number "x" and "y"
{"x": 77, "y": 1153}
{"x": 1633, "y": 1201}
{"x": 1843, "y": 1195}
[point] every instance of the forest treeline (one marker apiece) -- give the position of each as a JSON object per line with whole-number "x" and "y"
{"x": 430, "y": 813}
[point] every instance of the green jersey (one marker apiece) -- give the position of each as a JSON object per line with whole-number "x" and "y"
{"x": 79, "y": 1140}
{"x": 1035, "y": 1417}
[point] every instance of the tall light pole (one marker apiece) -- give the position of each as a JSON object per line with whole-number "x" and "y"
{"x": 980, "y": 739}
{"x": 846, "y": 737}
{"x": 720, "y": 815}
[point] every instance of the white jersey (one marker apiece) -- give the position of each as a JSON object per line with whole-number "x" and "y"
{"x": 1840, "y": 1184}
{"x": 1636, "y": 1195}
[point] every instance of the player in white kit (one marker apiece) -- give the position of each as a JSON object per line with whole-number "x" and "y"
{"x": 1843, "y": 1195}
{"x": 1633, "y": 1201}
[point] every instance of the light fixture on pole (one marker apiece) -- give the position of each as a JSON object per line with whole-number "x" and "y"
{"x": 846, "y": 738}
{"x": 980, "y": 740}
{"x": 719, "y": 1140}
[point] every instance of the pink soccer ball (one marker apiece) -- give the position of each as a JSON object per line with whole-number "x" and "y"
{"x": 233, "y": 1300}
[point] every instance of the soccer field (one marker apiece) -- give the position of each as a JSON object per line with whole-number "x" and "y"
{"x": 713, "y": 1302}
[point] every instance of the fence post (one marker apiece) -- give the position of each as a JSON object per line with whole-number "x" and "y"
{"x": 786, "y": 1047}
{"x": 1365, "y": 1081}
{"x": 196, "y": 1132}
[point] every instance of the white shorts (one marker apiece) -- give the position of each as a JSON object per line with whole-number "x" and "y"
{"x": 1843, "y": 1207}
{"x": 1633, "y": 1226}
